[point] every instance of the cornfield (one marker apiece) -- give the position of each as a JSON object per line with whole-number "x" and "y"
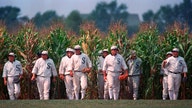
{"x": 151, "y": 47}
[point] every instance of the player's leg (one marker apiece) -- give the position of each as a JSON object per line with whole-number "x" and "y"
{"x": 40, "y": 86}
{"x": 177, "y": 82}
{"x": 76, "y": 84}
{"x": 106, "y": 91}
{"x": 10, "y": 88}
{"x": 136, "y": 80}
{"x": 130, "y": 87}
{"x": 47, "y": 82}
{"x": 100, "y": 82}
{"x": 116, "y": 86}
{"x": 17, "y": 90}
{"x": 83, "y": 84}
{"x": 171, "y": 85}
{"x": 69, "y": 86}
{"x": 165, "y": 87}
{"x": 110, "y": 85}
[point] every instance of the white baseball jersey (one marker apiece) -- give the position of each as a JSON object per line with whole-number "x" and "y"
{"x": 163, "y": 70}
{"x": 134, "y": 66}
{"x": 45, "y": 68}
{"x": 176, "y": 64}
{"x": 64, "y": 65}
{"x": 114, "y": 63}
{"x": 79, "y": 62}
{"x": 12, "y": 69}
{"x": 100, "y": 61}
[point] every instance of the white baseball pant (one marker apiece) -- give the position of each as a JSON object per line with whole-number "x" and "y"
{"x": 13, "y": 88}
{"x": 165, "y": 88}
{"x": 114, "y": 84}
{"x": 174, "y": 82}
{"x": 106, "y": 90}
{"x": 133, "y": 85}
{"x": 100, "y": 84}
{"x": 69, "y": 87}
{"x": 43, "y": 85}
{"x": 79, "y": 80}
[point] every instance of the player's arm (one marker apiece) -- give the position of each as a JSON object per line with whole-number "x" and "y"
{"x": 5, "y": 75}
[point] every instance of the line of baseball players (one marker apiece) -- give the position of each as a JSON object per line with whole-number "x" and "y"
{"x": 75, "y": 66}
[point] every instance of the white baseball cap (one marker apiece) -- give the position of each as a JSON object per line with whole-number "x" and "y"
{"x": 70, "y": 50}
{"x": 114, "y": 47}
{"x": 100, "y": 51}
{"x": 77, "y": 47}
{"x": 105, "y": 50}
{"x": 169, "y": 53}
{"x": 44, "y": 53}
{"x": 175, "y": 50}
{"x": 11, "y": 54}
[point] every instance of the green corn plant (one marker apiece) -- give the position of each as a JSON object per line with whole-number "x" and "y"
{"x": 26, "y": 46}
{"x": 148, "y": 49}
{"x": 4, "y": 46}
{"x": 56, "y": 42}
{"x": 91, "y": 44}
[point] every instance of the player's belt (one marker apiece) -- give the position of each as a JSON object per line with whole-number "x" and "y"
{"x": 133, "y": 75}
{"x": 175, "y": 72}
{"x": 77, "y": 71}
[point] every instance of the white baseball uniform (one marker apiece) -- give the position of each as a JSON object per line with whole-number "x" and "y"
{"x": 102, "y": 85}
{"x": 134, "y": 67}
{"x": 64, "y": 69}
{"x": 165, "y": 73}
{"x": 78, "y": 63}
{"x": 113, "y": 65}
{"x": 11, "y": 70}
{"x": 44, "y": 69}
{"x": 175, "y": 66}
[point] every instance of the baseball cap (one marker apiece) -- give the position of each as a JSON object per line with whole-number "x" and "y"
{"x": 114, "y": 47}
{"x": 105, "y": 50}
{"x": 175, "y": 50}
{"x": 44, "y": 53}
{"x": 133, "y": 52}
{"x": 70, "y": 50}
{"x": 169, "y": 53}
{"x": 11, "y": 54}
{"x": 77, "y": 47}
{"x": 100, "y": 52}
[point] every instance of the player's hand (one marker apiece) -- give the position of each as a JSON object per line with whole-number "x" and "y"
{"x": 86, "y": 70}
{"x": 105, "y": 78}
{"x": 33, "y": 78}
{"x": 61, "y": 77}
{"x": 71, "y": 73}
{"x": 161, "y": 80}
{"x": 54, "y": 79}
{"x": 5, "y": 82}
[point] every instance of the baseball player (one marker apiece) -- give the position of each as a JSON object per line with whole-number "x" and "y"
{"x": 164, "y": 80}
{"x": 134, "y": 67}
{"x": 112, "y": 67}
{"x": 176, "y": 66}
{"x": 102, "y": 85}
{"x": 12, "y": 73}
{"x": 65, "y": 74}
{"x": 80, "y": 64}
{"x": 43, "y": 69}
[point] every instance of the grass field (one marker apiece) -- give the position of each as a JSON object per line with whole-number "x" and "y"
{"x": 96, "y": 104}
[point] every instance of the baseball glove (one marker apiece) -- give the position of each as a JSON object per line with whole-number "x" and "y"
{"x": 123, "y": 77}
